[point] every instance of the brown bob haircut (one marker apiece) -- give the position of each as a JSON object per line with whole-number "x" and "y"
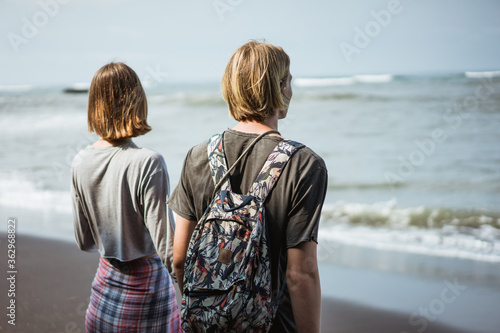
{"x": 251, "y": 81}
{"x": 117, "y": 103}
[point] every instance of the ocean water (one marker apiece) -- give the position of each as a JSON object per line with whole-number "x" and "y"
{"x": 414, "y": 161}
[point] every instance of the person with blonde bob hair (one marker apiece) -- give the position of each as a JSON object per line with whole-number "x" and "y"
{"x": 257, "y": 88}
{"x": 254, "y": 80}
{"x": 119, "y": 194}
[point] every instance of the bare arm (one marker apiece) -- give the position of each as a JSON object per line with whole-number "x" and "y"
{"x": 183, "y": 230}
{"x": 303, "y": 285}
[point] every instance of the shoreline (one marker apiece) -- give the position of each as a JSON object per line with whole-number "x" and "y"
{"x": 53, "y": 288}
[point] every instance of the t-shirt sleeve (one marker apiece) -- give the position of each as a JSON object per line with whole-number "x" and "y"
{"x": 181, "y": 201}
{"x": 83, "y": 231}
{"x": 155, "y": 191}
{"x": 195, "y": 185}
{"x": 307, "y": 203}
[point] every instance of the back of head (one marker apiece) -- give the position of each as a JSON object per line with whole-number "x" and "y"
{"x": 251, "y": 81}
{"x": 117, "y": 103}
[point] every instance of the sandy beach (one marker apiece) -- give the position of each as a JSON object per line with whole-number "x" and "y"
{"x": 53, "y": 287}
{"x": 400, "y": 99}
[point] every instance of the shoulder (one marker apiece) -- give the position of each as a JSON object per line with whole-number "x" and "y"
{"x": 147, "y": 154}
{"x": 198, "y": 154}
{"x": 148, "y": 159}
{"x": 307, "y": 159}
{"x": 80, "y": 158}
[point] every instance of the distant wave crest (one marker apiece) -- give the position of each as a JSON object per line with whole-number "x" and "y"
{"x": 190, "y": 99}
{"x": 16, "y": 88}
{"x": 479, "y": 75}
{"x": 342, "y": 81}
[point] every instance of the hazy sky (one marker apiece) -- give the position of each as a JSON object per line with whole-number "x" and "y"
{"x": 66, "y": 41}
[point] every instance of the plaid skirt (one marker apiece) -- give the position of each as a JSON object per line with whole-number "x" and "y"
{"x": 136, "y": 296}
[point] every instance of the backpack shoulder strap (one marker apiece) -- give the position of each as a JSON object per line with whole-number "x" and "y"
{"x": 272, "y": 168}
{"x": 217, "y": 160}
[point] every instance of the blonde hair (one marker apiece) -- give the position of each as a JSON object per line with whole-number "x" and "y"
{"x": 251, "y": 81}
{"x": 118, "y": 107}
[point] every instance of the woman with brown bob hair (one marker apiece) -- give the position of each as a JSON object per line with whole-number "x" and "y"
{"x": 257, "y": 88}
{"x": 119, "y": 194}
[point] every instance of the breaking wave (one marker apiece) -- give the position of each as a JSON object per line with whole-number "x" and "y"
{"x": 431, "y": 231}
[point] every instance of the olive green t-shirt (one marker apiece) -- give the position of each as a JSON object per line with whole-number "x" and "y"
{"x": 293, "y": 207}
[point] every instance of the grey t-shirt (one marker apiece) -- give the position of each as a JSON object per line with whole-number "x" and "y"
{"x": 293, "y": 207}
{"x": 119, "y": 198}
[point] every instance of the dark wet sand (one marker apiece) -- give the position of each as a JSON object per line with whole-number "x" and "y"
{"x": 53, "y": 286}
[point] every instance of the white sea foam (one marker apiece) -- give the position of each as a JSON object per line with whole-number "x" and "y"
{"x": 389, "y": 214}
{"x": 205, "y": 98}
{"x": 41, "y": 123}
{"x": 323, "y": 82}
{"x": 17, "y": 191}
{"x": 342, "y": 81}
{"x": 414, "y": 240}
{"x": 386, "y": 226}
{"x": 16, "y": 88}
{"x": 373, "y": 78}
{"x": 485, "y": 74}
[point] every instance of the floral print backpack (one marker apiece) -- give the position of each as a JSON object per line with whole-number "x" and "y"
{"x": 227, "y": 279}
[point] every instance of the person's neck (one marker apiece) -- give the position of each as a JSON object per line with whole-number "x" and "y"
{"x": 101, "y": 143}
{"x": 255, "y": 127}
